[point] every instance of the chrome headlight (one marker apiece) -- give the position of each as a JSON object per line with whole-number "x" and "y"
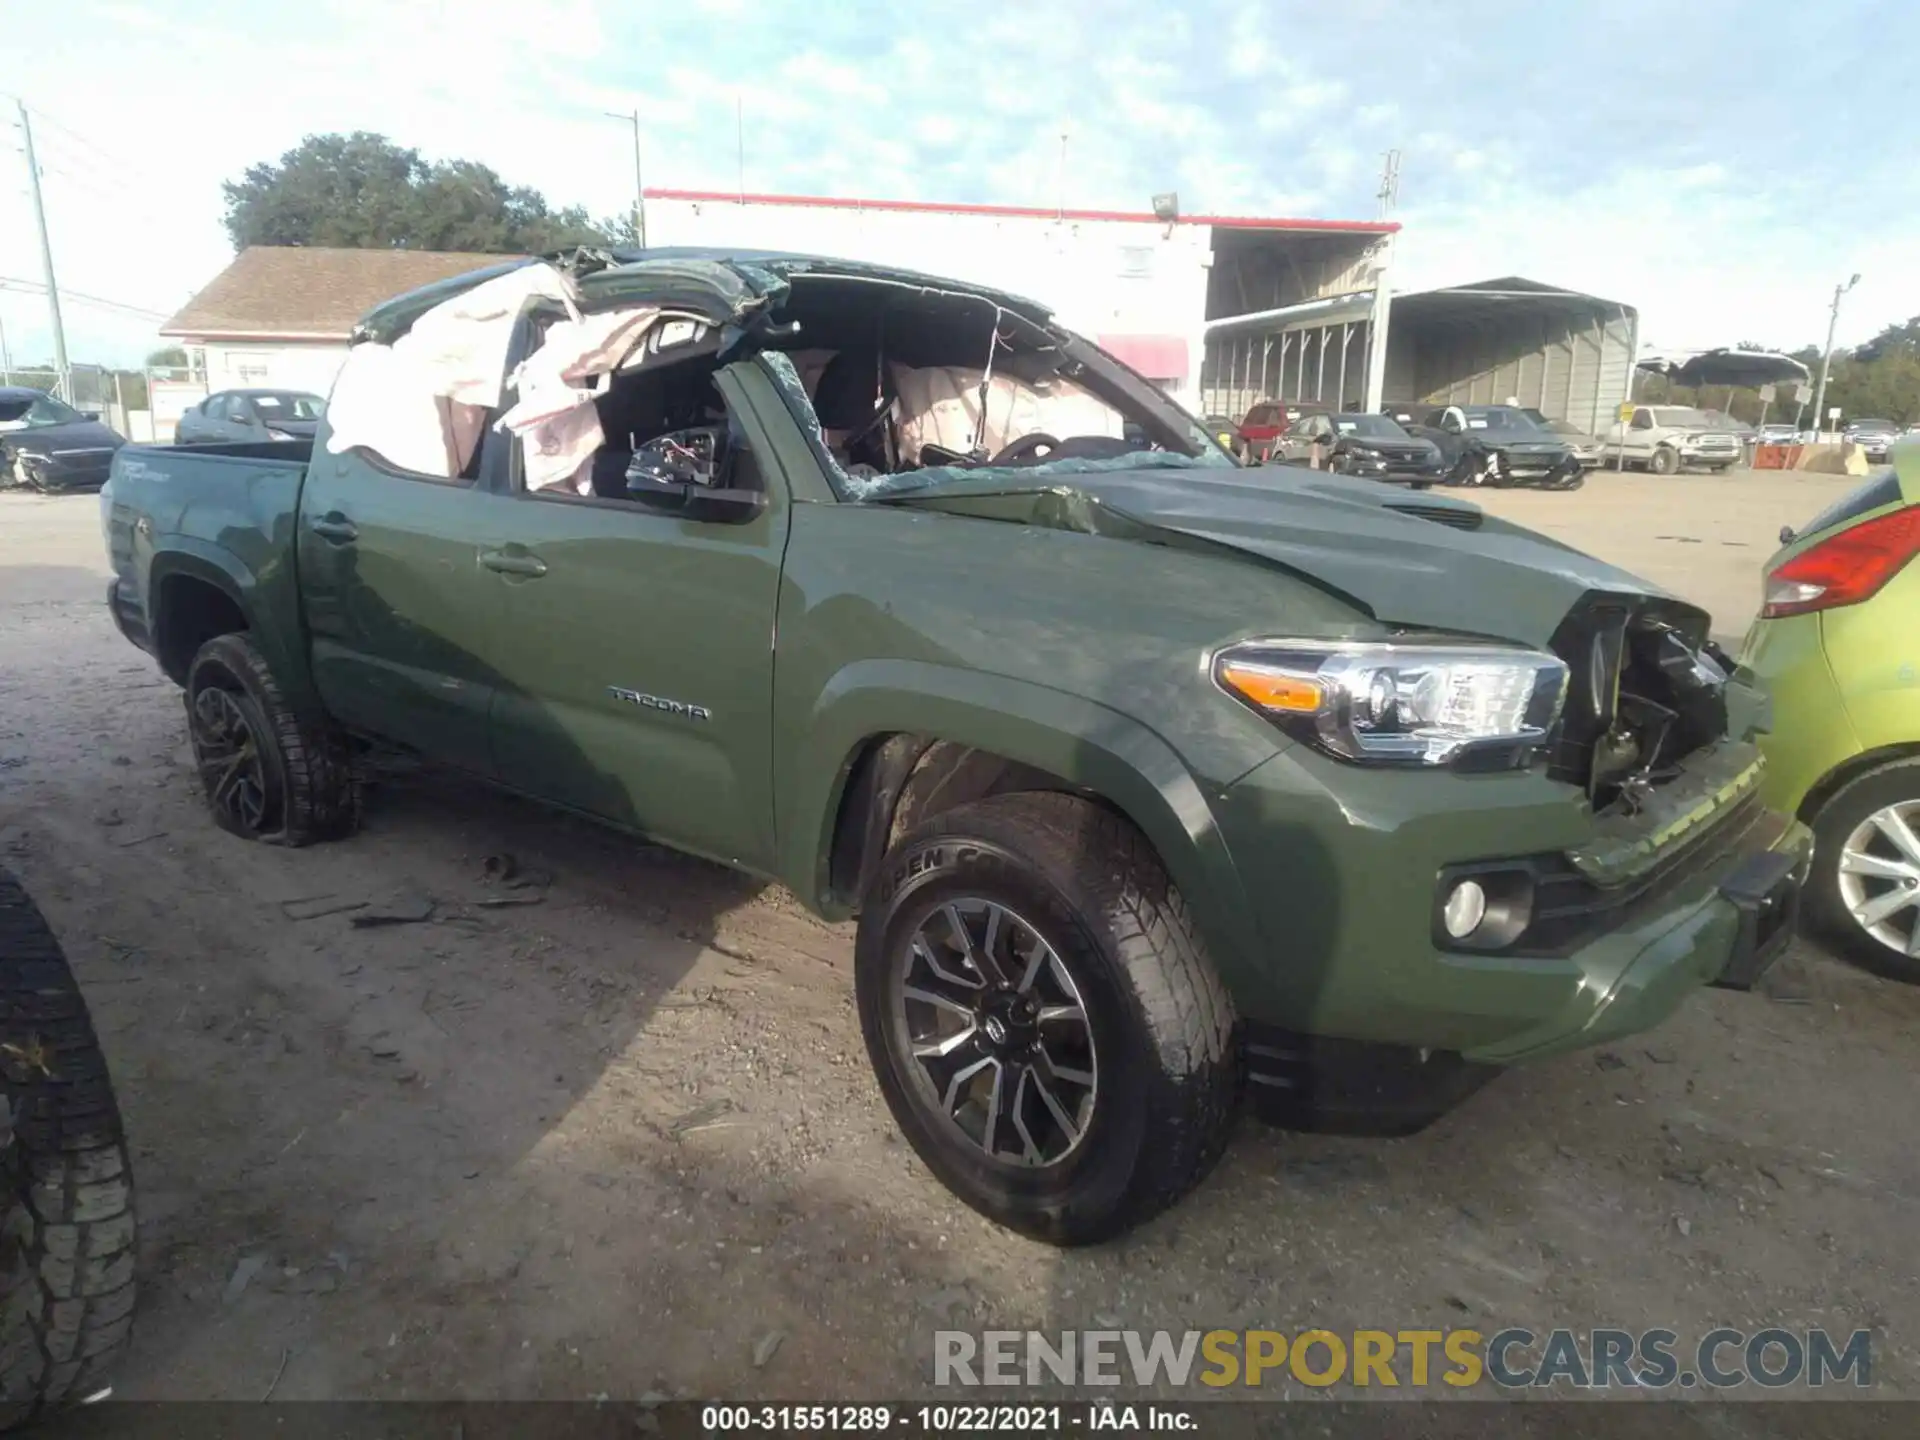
{"x": 1406, "y": 703}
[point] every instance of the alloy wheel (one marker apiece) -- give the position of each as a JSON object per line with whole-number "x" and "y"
{"x": 997, "y": 1033}
{"x": 228, "y": 754}
{"x": 1879, "y": 876}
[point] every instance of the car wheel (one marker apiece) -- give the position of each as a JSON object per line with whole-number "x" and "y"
{"x": 1042, "y": 1016}
{"x": 1664, "y": 462}
{"x": 66, "y": 1187}
{"x": 1863, "y": 893}
{"x": 269, "y": 774}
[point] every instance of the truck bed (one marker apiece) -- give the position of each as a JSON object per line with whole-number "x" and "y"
{"x": 223, "y": 513}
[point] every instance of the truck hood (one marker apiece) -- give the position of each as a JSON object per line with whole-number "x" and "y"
{"x": 1425, "y": 562}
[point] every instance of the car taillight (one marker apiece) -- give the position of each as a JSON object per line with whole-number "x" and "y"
{"x": 1845, "y": 568}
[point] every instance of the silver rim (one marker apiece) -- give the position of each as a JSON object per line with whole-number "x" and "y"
{"x": 1880, "y": 876}
{"x": 997, "y": 1033}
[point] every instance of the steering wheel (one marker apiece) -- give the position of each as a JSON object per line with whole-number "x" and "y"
{"x": 1026, "y": 448}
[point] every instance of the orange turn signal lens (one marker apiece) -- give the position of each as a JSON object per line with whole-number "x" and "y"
{"x": 1273, "y": 689}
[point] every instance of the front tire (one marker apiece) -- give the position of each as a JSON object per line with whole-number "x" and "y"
{"x": 66, "y": 1197}
{"x": 269, "y": 773}
{"x": 1042, "y": 1016}
{"x": 1664, "y": 461}
{"x": 1863, "y": 894}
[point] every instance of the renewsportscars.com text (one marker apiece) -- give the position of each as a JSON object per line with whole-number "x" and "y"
{"x": 1597, "y": 1359}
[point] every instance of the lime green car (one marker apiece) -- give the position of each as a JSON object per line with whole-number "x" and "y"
{"x": 1838, "y": 644}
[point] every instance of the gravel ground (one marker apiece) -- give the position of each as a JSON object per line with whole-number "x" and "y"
{"x": 624, "y": 1139}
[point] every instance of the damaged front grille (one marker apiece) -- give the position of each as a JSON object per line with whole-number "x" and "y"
{"x": 1644, "y": 691}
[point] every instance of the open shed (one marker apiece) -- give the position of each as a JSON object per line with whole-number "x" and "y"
{"x": 1567, "y": 354}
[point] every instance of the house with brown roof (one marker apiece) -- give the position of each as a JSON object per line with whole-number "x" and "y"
{"x": 280, "y": 315}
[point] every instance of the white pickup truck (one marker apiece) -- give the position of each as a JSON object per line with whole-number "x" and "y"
{"x": 1663, "y": 438}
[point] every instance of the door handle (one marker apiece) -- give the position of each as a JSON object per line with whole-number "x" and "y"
{"x": 507, "y": 562}
{"x": 335, "y": 527}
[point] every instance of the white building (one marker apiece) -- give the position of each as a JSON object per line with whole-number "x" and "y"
{"x": 279, "y": 316}
{"x": 1144, "y": 286}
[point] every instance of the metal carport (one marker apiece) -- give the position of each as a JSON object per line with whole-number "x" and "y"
{"x": 1564, "y": 353}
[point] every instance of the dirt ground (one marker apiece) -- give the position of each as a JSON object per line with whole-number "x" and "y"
{"x": 619, "y": 1140}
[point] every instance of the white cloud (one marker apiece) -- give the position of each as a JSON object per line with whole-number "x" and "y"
{"x": 1515, "y": 159}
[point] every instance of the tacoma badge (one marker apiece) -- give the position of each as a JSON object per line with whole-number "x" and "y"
{"x": 658, "y": 702}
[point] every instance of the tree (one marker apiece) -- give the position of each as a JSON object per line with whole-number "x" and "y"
{"x": 167, "y": 357}
{"x": 362, "y": 191}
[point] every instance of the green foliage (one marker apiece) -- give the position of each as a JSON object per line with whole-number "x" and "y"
{"x": 167, "y": 357}
{"x": 361, "y": 191}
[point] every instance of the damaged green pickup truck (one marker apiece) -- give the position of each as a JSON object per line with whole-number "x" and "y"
{"x": 1153, "y": 781}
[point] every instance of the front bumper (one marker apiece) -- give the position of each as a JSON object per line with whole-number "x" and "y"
{"x": 1343, "y": 864}
{"x": 1697, "y": 455}
{"x": 64, "y": 470}
{"x": 1380, "y": 468}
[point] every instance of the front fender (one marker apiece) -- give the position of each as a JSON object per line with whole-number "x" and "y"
{"x": 1085, "y": 744}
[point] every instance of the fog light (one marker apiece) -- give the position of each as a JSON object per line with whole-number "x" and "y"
{"x": 1466, "y": 907}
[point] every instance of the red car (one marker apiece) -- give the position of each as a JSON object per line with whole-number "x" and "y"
{"x": 1267, "y": 421}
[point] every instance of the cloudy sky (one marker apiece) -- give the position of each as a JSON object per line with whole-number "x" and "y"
{"x": 1720, "y": 163}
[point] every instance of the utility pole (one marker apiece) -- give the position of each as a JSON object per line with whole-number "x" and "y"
{"x": 1826, "y": 359}
{"x": 639, "y": 189}
{"x": 65, "y": 376}
{"x": 6, "y": 356}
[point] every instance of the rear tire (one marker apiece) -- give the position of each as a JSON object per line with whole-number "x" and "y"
{"x": 270, "y": 774}
{"x": 1138, "y": 1015}
{"x": 67, "y": 1228}
{"x": 1843, "y": 823}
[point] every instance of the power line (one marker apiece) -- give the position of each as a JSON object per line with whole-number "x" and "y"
{"x": 10, "y": 282}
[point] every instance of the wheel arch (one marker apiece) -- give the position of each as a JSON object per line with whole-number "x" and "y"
{"x": 1850, "y": 770}
{"x": 891, "y": 743}
{"x": 195, "y": 592}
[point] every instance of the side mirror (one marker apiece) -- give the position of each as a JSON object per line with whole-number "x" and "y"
{"x": 1786, "y": 535}
{"x": 89, "y": 414}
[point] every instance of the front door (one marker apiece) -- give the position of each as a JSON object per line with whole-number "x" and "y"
{"x": 637, "y": 649}
{"x": 397, "y": 606}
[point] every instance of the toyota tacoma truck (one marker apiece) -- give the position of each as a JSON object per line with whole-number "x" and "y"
{"x": 1154, "y": 782}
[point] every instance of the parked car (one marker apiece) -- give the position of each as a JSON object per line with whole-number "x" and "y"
{"x": 1874, "y": 437}
{"x": 66, "y": 1201}
{"x": 46, "y": 444}
{"x": 1666, "y": 438}
{"x": 1777, "y": 435}
{"x": 243, "y": 415}
{"x": 1585, "y": 448}
{"x": 1141, "y": 779}
{"x": 1498, "y": 445}
{"x": 1355, "y": 443}
{"x": 1837, "y": 642}
{"x": 1269, "y": 421}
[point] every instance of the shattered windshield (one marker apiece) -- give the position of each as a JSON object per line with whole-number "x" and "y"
{"x": 931, "y": 389}
{"x": 30, "y": 412}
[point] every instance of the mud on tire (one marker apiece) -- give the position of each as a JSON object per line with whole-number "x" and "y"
{"x": 269, "y": 773}
{"x": 1158, "y": 1062}
{"x": 66, "y": 1189}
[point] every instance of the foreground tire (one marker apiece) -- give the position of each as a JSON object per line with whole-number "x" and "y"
{"x": 1042, "y": 1016}
{"x": 67, "y": 1231}
{"x": 269, "y": 774}
{"x": 1863, "y": 893}
{"x": 1664, "y": 461}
